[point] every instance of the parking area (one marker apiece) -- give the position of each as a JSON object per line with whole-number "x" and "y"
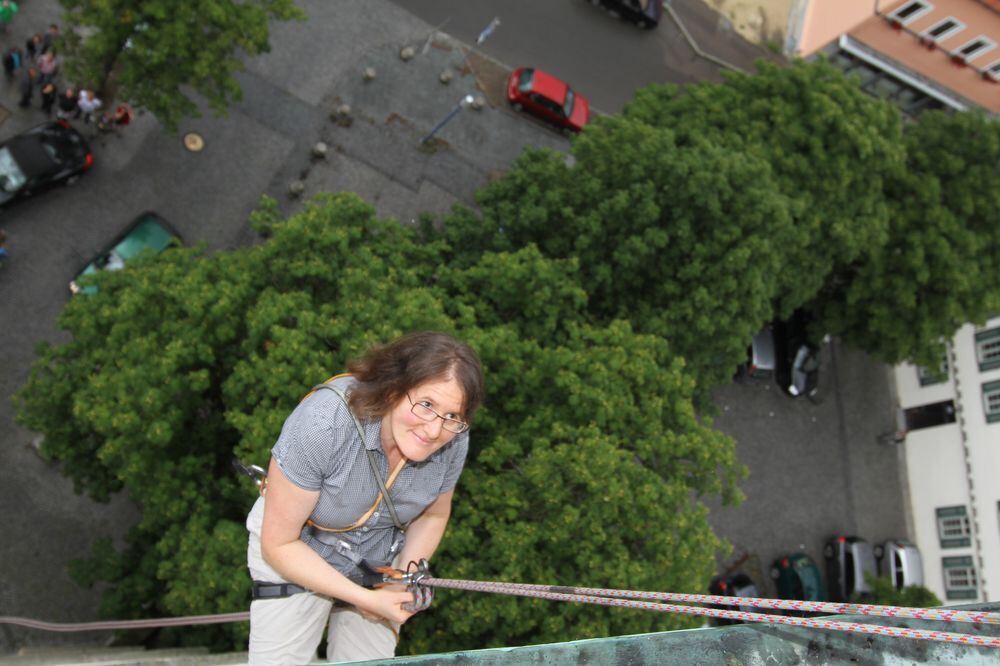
{"x": 816, "y": 470}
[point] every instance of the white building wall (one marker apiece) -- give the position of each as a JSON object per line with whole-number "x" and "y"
{"x": 936, "y": 474}
{"x": 939, "y": 474}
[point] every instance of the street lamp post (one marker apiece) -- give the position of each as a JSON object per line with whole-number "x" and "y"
{"x": 462, "y": 103}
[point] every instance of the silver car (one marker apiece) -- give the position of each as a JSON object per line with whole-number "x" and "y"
{"x": 900, "y": 560}
{"x": 760, "y": 361}
{"x": 848, "y": 559}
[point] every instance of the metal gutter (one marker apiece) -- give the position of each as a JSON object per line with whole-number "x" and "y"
{"x": 880, "y": 61}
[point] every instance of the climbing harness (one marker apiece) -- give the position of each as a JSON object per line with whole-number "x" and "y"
{"x": 372, "y": 575}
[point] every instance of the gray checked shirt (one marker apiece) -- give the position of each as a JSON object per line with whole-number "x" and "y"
{"x": 319, "y": 449}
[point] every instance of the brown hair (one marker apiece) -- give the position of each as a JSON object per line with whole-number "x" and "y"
{"x": 387, "y": 372}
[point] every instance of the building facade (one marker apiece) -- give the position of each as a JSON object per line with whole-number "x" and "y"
{"x": 951, "y": 416}
{"x": 919, "y": 54}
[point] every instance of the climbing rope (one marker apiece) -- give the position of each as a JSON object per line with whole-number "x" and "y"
{"x": 151, "y": 623}
{"x": 650, "y": 601}
{"x": 939, "y": 614}
{"x": 592, "y": 596}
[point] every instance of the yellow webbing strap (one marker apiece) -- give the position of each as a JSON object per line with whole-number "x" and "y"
{"x": 368, "y": 514}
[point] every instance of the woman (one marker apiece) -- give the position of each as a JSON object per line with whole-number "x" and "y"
{"x": 403, "y": 412}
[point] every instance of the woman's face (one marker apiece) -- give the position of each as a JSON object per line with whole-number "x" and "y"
{"x": 416, "y": 438}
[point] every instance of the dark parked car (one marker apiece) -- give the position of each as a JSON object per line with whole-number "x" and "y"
{"x": 548, "y": 98}
{"x": 848, "y": 559}
{"x": 147, "y": 233}
{"x": 797, "y": 357}
{"x": 643, "y": 13}
{"x": 798, "y": 577}
{"x": 43, "y": 156}
{"x": 736, "y": 584}
{"x": 900, "y": 561}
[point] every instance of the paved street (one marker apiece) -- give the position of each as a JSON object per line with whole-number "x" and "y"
{"x": 815, "y": 469}
{"x": 808, "y": 477}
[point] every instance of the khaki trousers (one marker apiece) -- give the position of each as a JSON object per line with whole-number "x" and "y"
{"x": 286, "y": 632}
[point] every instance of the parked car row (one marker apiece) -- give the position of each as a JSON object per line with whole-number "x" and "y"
{"x": 782, "y": 350}
{"x": 848, "y": 560}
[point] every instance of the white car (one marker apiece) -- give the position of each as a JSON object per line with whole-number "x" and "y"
{"x": 900, "y": 560}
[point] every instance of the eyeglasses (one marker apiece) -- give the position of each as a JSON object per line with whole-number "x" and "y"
{"x": 428, "y": 414}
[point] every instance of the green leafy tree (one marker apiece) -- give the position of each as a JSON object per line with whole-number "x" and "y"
{"x": 155, "y": 52}
{"x": 936, "y": 272}
{"x": 685, "y": 241}
{"x": 830, "y": 147}
{"x": 884, "y": 593}
{"x": 587, "y": 465}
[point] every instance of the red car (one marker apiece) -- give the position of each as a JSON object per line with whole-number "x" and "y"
{"x": 547, "y": 97}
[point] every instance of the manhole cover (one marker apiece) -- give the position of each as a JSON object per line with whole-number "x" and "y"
{"x": 194, "y": 142}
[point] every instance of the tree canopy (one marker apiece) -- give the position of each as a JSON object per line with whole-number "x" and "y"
{"x": 607, "y": 292}
{"x": 935, "y": 272}
{"x": 684, "y": 241}
{"x": 586, "y": 465}
{"x": 704, "y": 211}
{"x": 157, "y": 51}
{"x": 829, "y": 145}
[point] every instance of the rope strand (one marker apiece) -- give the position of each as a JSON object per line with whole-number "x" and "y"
{"x": 939, "y": 614}
{"x": 817, "y": 623}
{"x": 67, "y": 627}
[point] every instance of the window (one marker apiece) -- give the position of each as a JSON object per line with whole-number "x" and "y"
{"x": 938, "y": 375}
{"x": 991, "y": 401}
{"x": 942, "y": 30}
{"x": 975, "y": 48}
{"x": 911, "y": 11}
{"x": 959, "y": 578}
{"x": 953, "y": 527}
{"x": 988, "y": 347}
{"x": 994, "y": 70}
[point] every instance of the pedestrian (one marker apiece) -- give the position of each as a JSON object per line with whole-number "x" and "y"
{"x": 7, "y": 10}
{"x": 87, "y": 104}
{"x": 48, "y": 97}
{"x": 33, "y": 47}
{"x": 12, "y": 61}
{"x": 67, "y": 105}
{"x": 50, "y": 37}
{"x": 407, "y": 405}
{"x": 48, "y": 66}
{"x": 3, "y": 245}
{"x": 120, "y": 118}
{"x": 28, "y": 79}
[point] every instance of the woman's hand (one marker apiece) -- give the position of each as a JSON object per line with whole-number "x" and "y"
{"x": 387, "y": 603}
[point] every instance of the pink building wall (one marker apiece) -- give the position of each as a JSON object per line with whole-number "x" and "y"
{"x": 825, "y": 20}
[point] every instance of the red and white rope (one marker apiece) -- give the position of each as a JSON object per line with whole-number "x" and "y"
{"x": 650, "y": 601}
{"x": 546, "y": 592}
{"x": 939, "y": 614}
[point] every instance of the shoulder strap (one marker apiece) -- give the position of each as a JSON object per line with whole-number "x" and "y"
{"x": 383, "y": 491}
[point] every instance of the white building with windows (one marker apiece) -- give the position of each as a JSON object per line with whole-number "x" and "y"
{"x": 952, "y": 451}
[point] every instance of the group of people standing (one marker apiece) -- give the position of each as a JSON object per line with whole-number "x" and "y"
{"x": 37, "y": 66}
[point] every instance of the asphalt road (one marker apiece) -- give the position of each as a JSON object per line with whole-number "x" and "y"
{"x": 808, "y": 478}
{"x": 604, "y": 58}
